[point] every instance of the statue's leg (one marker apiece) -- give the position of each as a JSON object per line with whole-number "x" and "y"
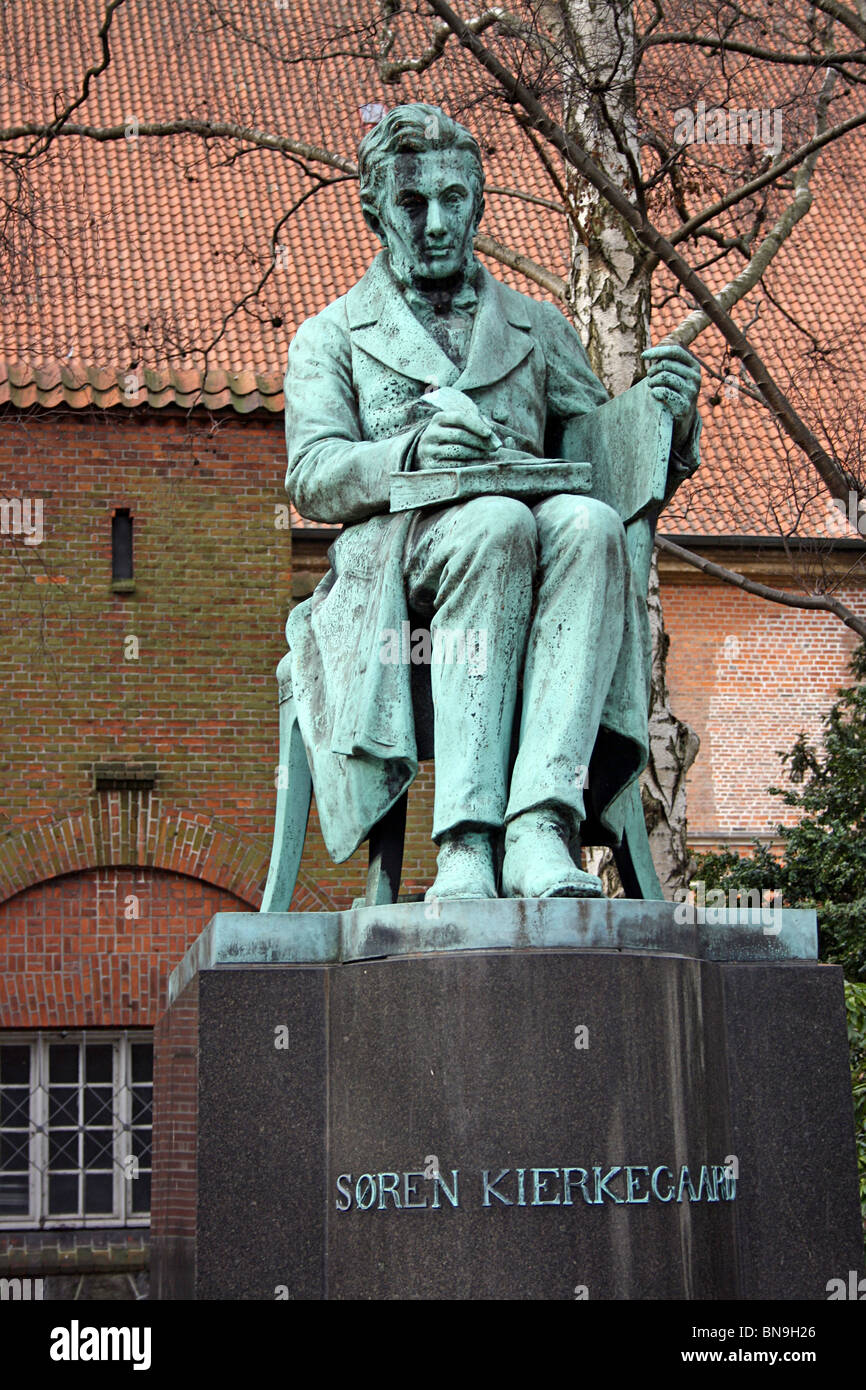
{"x": 470, "y": 568}
{"x": 571, "y": 655}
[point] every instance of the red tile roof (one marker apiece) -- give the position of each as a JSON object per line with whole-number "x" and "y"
{"x": 147, "y": 276}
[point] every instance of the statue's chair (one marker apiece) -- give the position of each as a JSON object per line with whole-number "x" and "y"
{"x": 629, "y": 447}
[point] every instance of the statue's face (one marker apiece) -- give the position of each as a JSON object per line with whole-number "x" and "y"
{"x": 427, "y": 213}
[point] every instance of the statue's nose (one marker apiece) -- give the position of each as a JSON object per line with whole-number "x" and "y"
{"x": 435, "y": 221}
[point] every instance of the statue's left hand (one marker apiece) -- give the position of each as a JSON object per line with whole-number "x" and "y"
{"x": 674, "y": 379}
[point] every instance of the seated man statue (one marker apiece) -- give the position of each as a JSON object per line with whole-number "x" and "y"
{"x": 547, "y": 579}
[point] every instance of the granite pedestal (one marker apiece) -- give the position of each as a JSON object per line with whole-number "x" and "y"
{"x": 554, "y": 1100}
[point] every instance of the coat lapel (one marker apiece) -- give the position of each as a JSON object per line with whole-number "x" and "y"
{"x": 382, "y": 323}
{"x": 501, "y": 336}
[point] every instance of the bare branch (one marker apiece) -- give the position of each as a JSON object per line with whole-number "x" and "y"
{"x": 796, "y": 210}
{"x": 208, "y": 130}
{"x": 835, "y": 477}
{"x": 525, "y": 197}
{"x": 770, "y": 175}
{"x": 93, "y": 71}
{"x": 253, "y": 293}
{"x": 751, "y": 586}
{"x": 546, "y": 162}
{"x": 751, "y": 50}
{"x": 554, "y": 284}
{"x": 849, "y": 18}
{"x": 391, "y": 71}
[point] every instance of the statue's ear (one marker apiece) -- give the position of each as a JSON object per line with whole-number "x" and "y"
{"x": 372, "y": 220}
{"x": 479, "y": 213}
{"x": 370, "y": 211}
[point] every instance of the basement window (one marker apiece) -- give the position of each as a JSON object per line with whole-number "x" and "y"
{"x": 122, "y": 579}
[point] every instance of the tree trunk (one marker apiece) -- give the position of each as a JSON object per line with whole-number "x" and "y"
{"x": 609, "y": 294}
{"x": 673, "y": 749}
{"x": 608, "y": 287}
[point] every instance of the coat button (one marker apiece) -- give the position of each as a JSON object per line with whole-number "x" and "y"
{"x": 508, "y": 441}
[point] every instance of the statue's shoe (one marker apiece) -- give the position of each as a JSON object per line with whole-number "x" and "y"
{"x": 538, "y": 863}
{"x": 464, "y": 867}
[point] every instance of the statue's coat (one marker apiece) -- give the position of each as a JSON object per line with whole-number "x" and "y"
{"x": 355, "y": 373}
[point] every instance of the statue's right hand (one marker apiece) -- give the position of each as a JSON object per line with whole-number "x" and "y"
{"x": 447, "y": 440}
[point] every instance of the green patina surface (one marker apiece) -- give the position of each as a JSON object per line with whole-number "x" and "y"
{"x": 429, "y": 364}
{"x": 366, "y": 933}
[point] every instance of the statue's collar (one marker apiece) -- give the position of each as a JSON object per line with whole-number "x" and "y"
{"x": 366, "y": 300}
{"x": 460, "y": 294}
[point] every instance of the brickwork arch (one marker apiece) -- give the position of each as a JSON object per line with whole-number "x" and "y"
{"x": 134, "y": 828}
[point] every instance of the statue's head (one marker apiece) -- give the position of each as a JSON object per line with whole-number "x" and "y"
{"x": 422, "y": 191}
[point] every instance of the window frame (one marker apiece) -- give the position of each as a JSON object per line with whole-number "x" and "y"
{"x": 39, "y": 1042}
{"x": 122, "y": 546}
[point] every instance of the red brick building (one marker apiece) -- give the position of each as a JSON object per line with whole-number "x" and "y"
{"x": 148, "y": 571}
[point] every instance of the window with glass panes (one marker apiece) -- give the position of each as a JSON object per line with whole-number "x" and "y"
{"x": 75, "y": 1128}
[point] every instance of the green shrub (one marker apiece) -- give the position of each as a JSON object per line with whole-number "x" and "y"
{"x": 855, "y": 1003}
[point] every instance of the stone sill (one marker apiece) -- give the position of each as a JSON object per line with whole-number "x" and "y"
{"x": 74, "y": 1252}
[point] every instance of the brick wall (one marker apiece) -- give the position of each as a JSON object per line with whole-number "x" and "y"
{"x": 748, "y": 675}
{"x": 211, "y": 595}
{"x": 95, "y": 949}
{"x": 175, "y": 1096}
{"x": 196, "y": 703}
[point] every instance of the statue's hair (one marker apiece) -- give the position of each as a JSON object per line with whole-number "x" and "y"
{"x": 414, "y": 127}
